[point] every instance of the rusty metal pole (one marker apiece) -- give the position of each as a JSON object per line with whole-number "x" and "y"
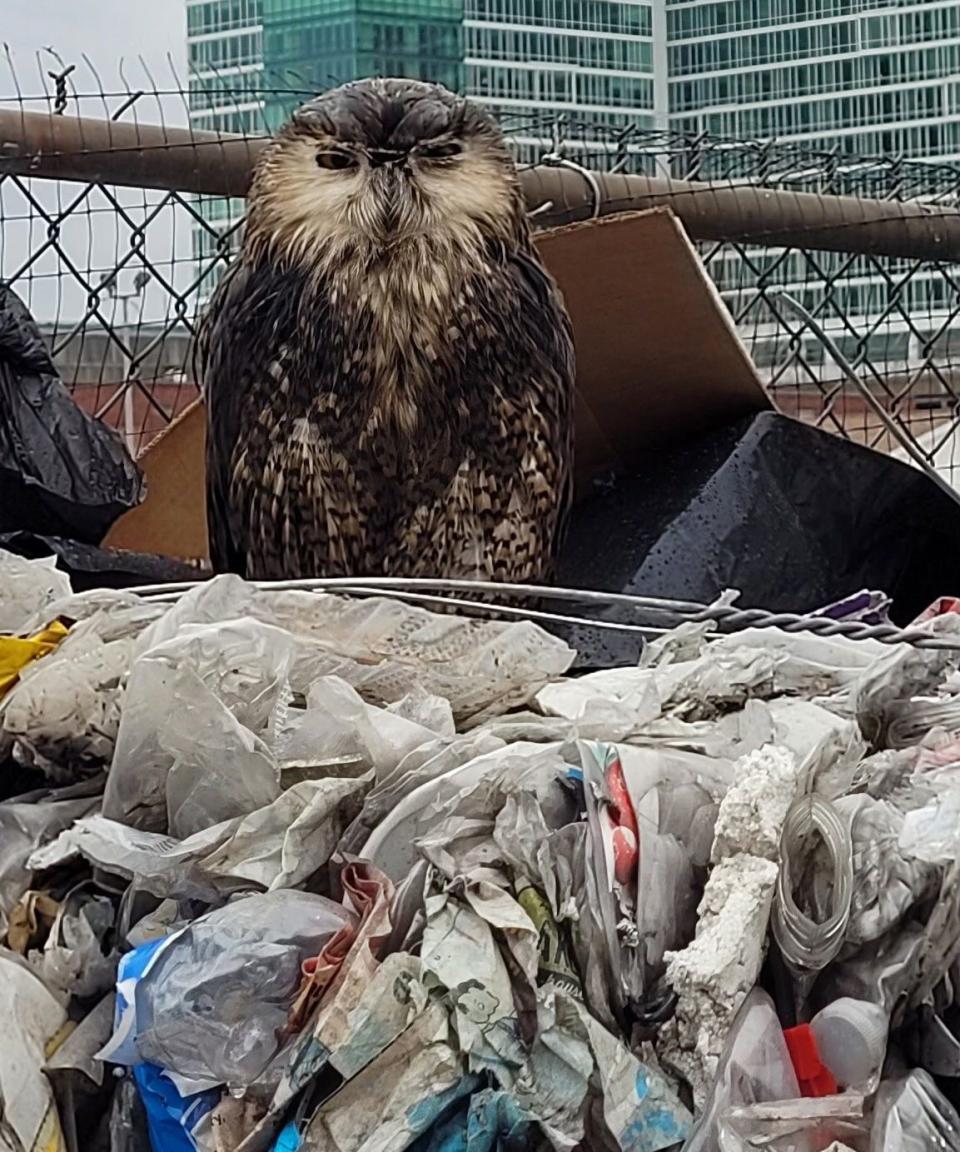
{"x": 183, "y": 160}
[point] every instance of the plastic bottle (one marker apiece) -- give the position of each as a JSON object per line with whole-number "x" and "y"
{"x": 851, "y": 1037}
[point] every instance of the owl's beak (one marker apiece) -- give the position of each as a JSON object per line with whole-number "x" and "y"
{"x": 385, "y": 158}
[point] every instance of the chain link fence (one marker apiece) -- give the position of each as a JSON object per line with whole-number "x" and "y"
{"x": 862, "y": 343}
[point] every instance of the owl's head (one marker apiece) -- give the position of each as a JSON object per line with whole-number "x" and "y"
{"x": 377, "y": 162}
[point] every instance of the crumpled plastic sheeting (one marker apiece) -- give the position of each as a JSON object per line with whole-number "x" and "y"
{"x": 26, "y": 824}
{"x": 392, "y": 845}
{"x": 434, "y": 759}
{"x": 493, "y": 969}
{"x": 911, "y": 1115}
{"x": 340, "y": 722}
{"x": 791, "y": 1125}
{"x": 32, "y": 1018}
{"x": 190, "y": 749}
{"x": 754, "y": 663}
{"x": 386, "y": 650}
{"x": 902, "y": 672}
{"x": 245, "y": 958}
{"x": 278, "y": 846}
{"x": 886, "y": 882}
{"x": 76, "y": 961}
{"x": 65, "y": 710}
{"x": 28, "y": 588}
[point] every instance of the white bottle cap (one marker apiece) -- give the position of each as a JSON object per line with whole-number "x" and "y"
{"x": 851, "y": 1036}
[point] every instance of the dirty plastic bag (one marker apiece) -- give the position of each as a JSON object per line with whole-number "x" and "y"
{"x": 755, "y": 1068}
{"x": 28, "y": 587}
{"x": 932, "y": 833}
{"x": 212, "y": 1002}
{"x": 26, "y": 823}
{"x": 62, "y": 472}
{"x": 901, "y": 673}
{"x": 63, "y": 714}
{"x": 278, "y": 846}
{"x": 800, "y": 1125}
{"x": 428, "y": 762}
{"x": 386, "y": 649}
{"x": 416, "y": 818}
{"x": 32, "y": 1017}
{"x": 911, "y": 1114}
{"x": 886, "y": 883}
{"x": 222, "y": 598}
{"x": 189, "y": 751}
{"x": 612, "y": 704}
{"x": 77, "y": 959}
{"x": 338, "y": 726}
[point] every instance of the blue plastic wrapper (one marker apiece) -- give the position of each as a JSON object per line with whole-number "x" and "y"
{"x": 171, "y": 1118}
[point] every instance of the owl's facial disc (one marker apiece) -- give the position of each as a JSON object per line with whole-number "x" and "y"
{"x": 378, "y": 162}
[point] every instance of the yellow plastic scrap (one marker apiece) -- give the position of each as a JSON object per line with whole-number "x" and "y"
{"x": 16, "y": 652}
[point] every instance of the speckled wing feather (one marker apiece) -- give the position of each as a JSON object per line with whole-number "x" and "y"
{"x": 546, "y": 468}
{"x": 221, "y": 375}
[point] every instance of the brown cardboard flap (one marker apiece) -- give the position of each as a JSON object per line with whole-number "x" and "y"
{"x": 658, "y": 355}
{"x": 658, "y": 359}
{"x": 172, "y": 521}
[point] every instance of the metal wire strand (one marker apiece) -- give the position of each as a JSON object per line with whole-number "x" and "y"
{"x": 722, "y": 613}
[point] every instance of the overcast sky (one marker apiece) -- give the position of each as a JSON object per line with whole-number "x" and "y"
{"x": 130, "y": 45}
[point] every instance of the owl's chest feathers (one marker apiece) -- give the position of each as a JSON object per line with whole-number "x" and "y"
{"x": 391, "y": 355}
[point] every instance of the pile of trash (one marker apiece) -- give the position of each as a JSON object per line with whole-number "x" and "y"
{"x": 283, "y": 870}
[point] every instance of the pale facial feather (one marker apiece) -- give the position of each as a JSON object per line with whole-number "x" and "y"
{"x": 320, "y": 216}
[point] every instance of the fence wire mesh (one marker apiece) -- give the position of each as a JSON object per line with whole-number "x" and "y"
{"x": 116, "y": 276}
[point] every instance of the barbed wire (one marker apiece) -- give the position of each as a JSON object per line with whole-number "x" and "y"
{"x": 117, "y": 275}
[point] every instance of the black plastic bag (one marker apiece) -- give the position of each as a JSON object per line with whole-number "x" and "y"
{"x": 792, "y": 517}
{"x": 91, "y": 567}
{"x": 62, "y": 472}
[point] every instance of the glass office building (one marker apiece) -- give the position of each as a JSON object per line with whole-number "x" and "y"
{"x": 848, "y": 78}
{"x": 310, "y": 45}
{"x": 866, "y": 78}
{"x": 590, "y": 62}
{"x": 225, "y": 58}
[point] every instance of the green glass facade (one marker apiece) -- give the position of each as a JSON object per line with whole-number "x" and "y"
{"x": 862, "y": 76}
{"x": 530, "y": 61}
{"x": 310, "y": 45}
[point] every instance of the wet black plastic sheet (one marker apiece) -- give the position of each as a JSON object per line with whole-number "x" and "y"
{"x": 793, "y": 517}
{"x": 61, "y": 471}
{"x": 91, "y": 567}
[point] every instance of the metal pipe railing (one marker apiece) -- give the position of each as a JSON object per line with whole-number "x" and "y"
{"x": 183, "y": 160}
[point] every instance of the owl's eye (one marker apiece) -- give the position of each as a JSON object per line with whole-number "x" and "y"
{"x": 336, "y": 161}
{"x": 440, "y": 151}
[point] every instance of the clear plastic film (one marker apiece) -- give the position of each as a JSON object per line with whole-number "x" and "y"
{"x": 809, "y": 944}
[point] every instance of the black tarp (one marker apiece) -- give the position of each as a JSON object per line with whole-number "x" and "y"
{"x": 91, "y": 567}
{"x": 62, "y": 472}
{"x": 792, "y": 517}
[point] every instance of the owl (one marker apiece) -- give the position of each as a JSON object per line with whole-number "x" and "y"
{"x": 388, "y": 367}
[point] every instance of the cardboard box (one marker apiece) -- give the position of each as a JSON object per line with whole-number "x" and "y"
{"x": 658, "y": 359}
